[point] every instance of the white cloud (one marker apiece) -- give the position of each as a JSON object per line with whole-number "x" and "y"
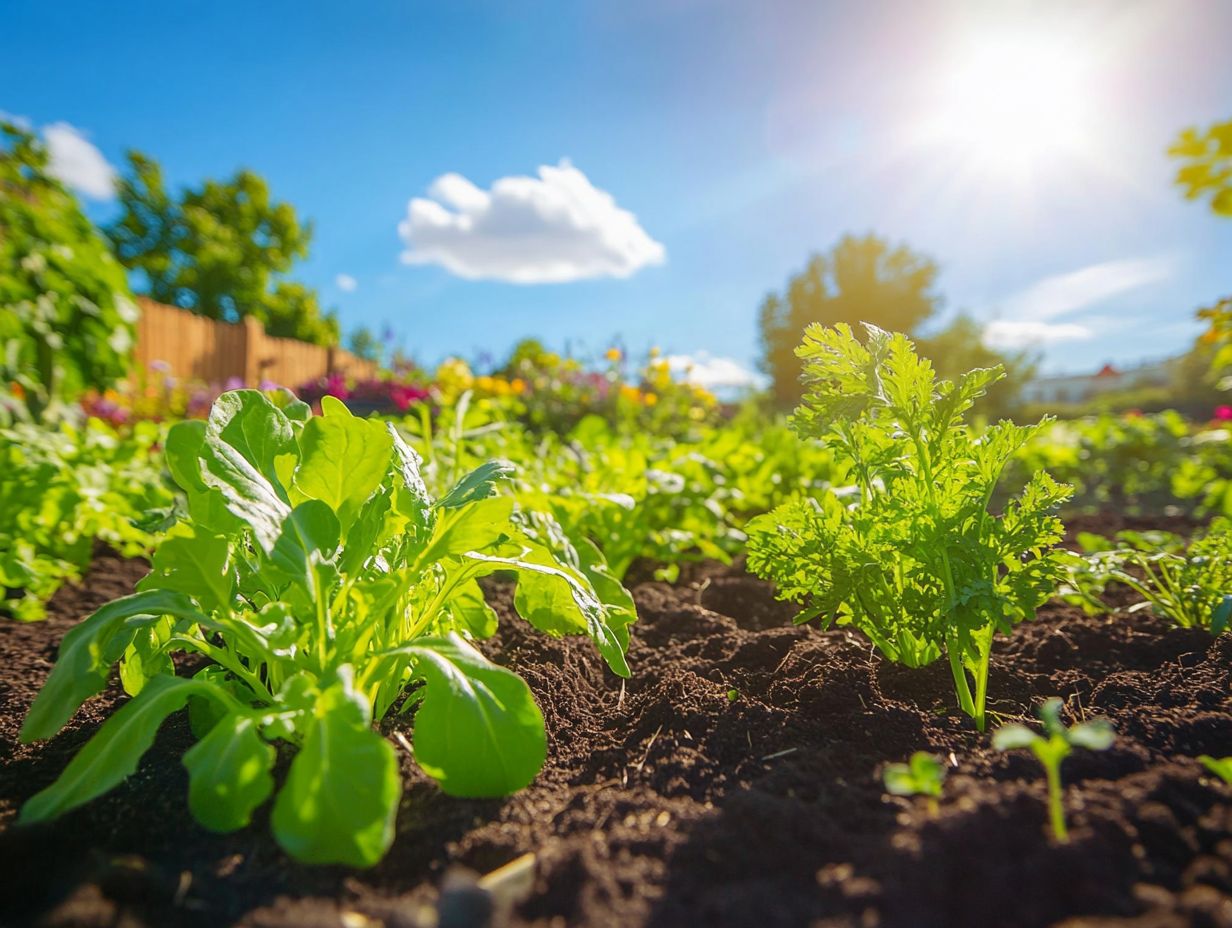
{"x": 553, "y": 228}
{"x": 1065, "y": 293}
{"x": 77, "y": 163}
{"x": 1004, "y": 334}
{"x": 713, "y": 373}
{"x": 1030, "y": 316}
{"x": 346, "y": 283}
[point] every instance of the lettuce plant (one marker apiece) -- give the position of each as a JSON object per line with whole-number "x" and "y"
{"x": 327, "y": 591}
{"x": 1053, "y": 746}
{"x": 910, "y": 555}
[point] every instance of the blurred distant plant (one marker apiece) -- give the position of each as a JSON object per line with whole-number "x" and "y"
{"x": 1052, "y": 747}
{"x": 364, "y": 344}
{"x": 860, "y": 279}
{"x": 922, "y": 775}
{"x": 62, "y": 488}
{"x": 1192, "y": 588}
{"x": 392, "y": 394}
{"x": 66, "y": 315}
{"x": 218, "y": 250}
{"x": 1220, "y": 766}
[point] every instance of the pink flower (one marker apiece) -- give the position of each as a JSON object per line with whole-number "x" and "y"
{"x": 1223, "y": 413}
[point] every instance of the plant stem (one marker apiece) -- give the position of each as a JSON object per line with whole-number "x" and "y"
{"x": 1056, "y": 810}
{"x": 960, "y": 681}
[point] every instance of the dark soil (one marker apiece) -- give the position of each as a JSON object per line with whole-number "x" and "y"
{"x": 734, "y": 780}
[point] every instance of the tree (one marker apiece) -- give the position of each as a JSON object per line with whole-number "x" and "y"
{"x": 218, "y": 250}
{"x": 960, "y": 347}
{"x": 364, "y": 344}
{"x": 861, "y": 279}
{"x": 1206, "y": 170}
{"x": 66, "y": 313}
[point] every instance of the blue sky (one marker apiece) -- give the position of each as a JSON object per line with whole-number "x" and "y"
{"x": 742, "y": 137}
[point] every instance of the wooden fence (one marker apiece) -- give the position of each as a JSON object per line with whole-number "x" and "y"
{"x": 200, "y": 349}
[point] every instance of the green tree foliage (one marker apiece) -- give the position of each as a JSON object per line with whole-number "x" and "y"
{"x": 960, "y": 347}
{"x": 66, "y": 314}
{"x": 364, "y": 344}
{"x": 1206, "y": 165}
{"x": 219, "y": 250}
{"x": 1206, "y": 172}
{"x": 861, "y": 279}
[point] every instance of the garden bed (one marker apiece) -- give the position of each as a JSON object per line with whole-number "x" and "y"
{"x": 734, "y": 780}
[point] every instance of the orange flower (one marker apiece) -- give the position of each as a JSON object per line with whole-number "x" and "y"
{"x": 614, "y": 355}
{"x": 17, "y": 390}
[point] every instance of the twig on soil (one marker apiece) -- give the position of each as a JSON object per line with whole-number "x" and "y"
{"x": 782, "y": 753}
{"x": 645, "y": 757}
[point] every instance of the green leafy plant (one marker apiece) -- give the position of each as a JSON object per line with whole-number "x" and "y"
{"x": 328, "y": 591}
{"x": 1192, "y": 588}
{"x": 64, "y": 487}
{"x": 1220, "y": 766}
{"x": 922, "y": 775}
{"x": 1052, "y": 747}
{"x": 911, "y": 554}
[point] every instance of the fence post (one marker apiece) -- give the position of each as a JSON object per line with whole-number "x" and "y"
{"x": 254, "y": 336}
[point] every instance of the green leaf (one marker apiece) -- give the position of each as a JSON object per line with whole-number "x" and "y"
{"x": 1095, "y": 735}
{"x": 248, "y": 422}
{"x": 114, "y": 751}
{"x": 1221, "y": 767}
{"x": 478, "y": 732}
{"x": 245, "y": 474}
{"x": 555, "y": 601}
{"x": 341, "y": 794}
{"x": 194, "y": 563}
{"x": 229, "y": 773}
{"x": 1012, "y": 737}
{"x": 88, "y": 651}
{"x": 343, "y": 460}
{"x": 309, "y": 535}
{"x": 478, "y": 484}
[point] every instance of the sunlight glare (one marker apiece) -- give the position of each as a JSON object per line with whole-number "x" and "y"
{"x": 1013, "y": 105}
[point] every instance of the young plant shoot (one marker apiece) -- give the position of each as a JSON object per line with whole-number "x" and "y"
{"x": 910, "y": 555}
{"x": 327, "y": 590}
{"x": 1220, "y": 766}
{"x": 922, "y": 775}
{"x": 1053, "y": 746}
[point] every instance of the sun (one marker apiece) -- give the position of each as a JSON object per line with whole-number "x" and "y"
{"x": 1012, "y": 104}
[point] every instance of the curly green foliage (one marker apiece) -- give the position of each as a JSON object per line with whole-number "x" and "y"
{"x": 910, "y": 555}
{"x": 66, "y": 315}
{"x": 219, "y": 250}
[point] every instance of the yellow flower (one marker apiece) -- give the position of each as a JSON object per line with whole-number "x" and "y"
{"x": 614, "y": 355}
{"x": 650, "y": 399}
{"x": 518, "y": 385}
{"x": 655, "y": 352}
{"x": 631, "y": 393}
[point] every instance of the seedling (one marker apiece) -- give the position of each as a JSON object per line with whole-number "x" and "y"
{"x": 1221, "y": 767}
{"x": 1053, "y": 746}
{"x": 910, "y": 555}
{"x": 922, "y": 775}
{"x": 323, "y": 585}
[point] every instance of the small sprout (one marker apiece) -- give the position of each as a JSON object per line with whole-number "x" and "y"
{"x": 733, "y": 695}
{"x": 1221, "y": 767}
{"x": 920, "y": 776}
{"x": 1052, "y": 747}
